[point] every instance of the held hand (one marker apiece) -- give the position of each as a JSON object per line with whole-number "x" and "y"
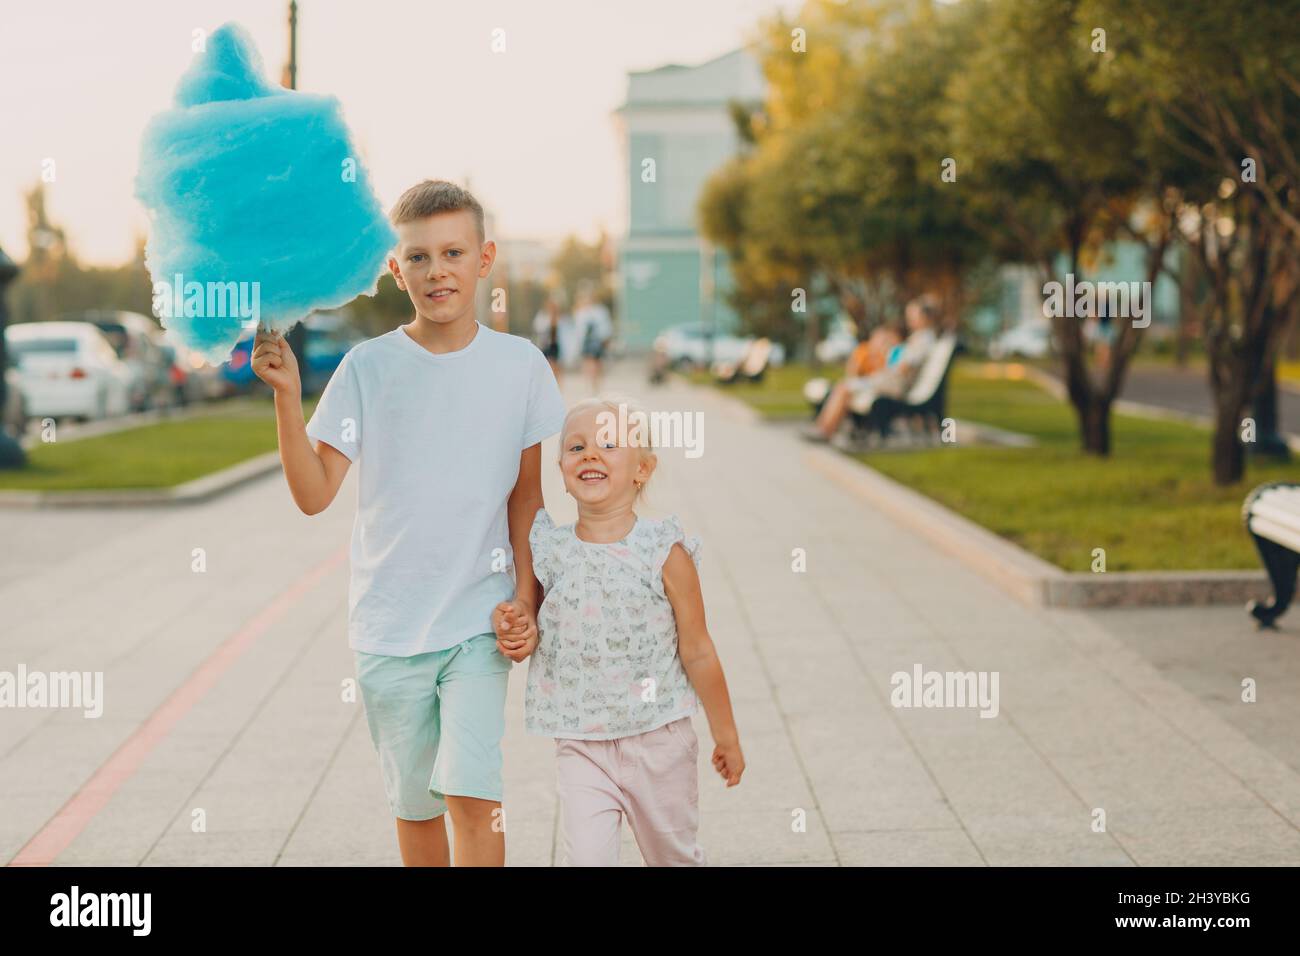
{"x": 729, "y": 761}
{"x": 274, "y": 362}
{"x": 516, "y": 629}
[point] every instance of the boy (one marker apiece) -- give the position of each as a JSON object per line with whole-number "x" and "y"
{"x": 445, "y": 418}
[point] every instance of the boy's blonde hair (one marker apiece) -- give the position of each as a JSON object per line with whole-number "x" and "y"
{"x": 434, "y": 196}
{"x": 632, "y": 414}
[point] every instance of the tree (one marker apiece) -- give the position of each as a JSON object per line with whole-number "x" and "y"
{"x": 767, "y": 268}
{"x": 844, "y": 186}
{"x": 1221, "y": 88}
{"x": 1053, "y": 172}
{"x": 53, "y": 281}
{"x": 577, "y": 260}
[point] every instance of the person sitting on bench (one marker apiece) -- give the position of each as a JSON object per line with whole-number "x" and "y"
{"x": 893, "y": 380}
{"x": 873, "y": 354}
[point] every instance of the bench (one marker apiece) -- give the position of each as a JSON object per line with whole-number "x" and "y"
{"x": 927, "y": 398}
{"x": 751, "y": 367}
{"x": 1271, "y": 514}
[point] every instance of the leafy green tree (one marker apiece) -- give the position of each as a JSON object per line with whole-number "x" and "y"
{"x": 1053, "y": 172}
{"x": 844, "y": 185}
{"x": 1218, "y": 86}
{"x": 577, "y": 260}
{"x": 53, "y": 281}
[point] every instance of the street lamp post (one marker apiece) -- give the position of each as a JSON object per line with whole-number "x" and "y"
{"x": 297, "y": 334}
{"x": 11, "y": 453}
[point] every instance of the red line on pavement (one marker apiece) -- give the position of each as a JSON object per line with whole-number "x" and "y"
{"x": 81, "y": 808}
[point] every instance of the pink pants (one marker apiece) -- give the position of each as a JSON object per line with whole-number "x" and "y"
{"x": 652, "y": 778}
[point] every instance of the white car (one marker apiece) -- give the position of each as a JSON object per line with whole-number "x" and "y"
{"x": 138, "y": 341}
{"x": 1028, "y": 339}
{"x": 68, "y": 369}
{"x": 688, "y": 345}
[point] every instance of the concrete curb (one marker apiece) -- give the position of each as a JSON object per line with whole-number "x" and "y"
{"x": 1157, "y": 588}
{"x": 1026, "y": 576}
{"x": 189, "y": 493}
{"x": 1021, "y": 574}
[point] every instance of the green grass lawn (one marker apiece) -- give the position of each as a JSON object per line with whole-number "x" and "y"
{"x": 153, "y": 456}
{"x": 1152, "y": 505}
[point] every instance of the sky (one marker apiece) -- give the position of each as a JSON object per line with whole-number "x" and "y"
{"x": 532, "y": 127}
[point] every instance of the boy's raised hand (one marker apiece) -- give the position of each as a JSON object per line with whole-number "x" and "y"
{"x": 516, "y": 629}
{"x": 274, "y": 362}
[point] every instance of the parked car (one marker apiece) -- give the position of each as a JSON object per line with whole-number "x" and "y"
{"x": 328, "y": 340}
{"x": 237, "y": 371}
{"x": 1028, "y": 340}
{"x": 204, "y": 381}
{"x": 68, "y": 369}
{"x": 192, "y": 379}
{"x": 326, "y": 346}
{"x": 138, "y": 341}
{"x": 692, "y": 345}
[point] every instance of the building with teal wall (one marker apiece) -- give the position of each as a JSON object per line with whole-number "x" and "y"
{"x": 677, "y": 130}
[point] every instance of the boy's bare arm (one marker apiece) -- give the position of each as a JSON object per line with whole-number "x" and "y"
{"x": 314, "y": 474}
{"x": 515, "y": 621}
{"x": 525, "y": 501}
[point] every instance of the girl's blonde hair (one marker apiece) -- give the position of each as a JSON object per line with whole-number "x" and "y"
{"x": 633, "y": 413}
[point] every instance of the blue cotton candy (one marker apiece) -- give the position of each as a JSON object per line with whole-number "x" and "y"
{"x": 246, "y": 182}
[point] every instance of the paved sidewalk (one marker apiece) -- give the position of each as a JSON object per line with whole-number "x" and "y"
{"x": 260, "y": 742}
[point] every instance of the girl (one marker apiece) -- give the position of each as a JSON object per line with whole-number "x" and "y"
{"x": 624, "y": 654}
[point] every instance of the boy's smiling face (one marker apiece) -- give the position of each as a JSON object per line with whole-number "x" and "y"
{"x": 438, "y": 263}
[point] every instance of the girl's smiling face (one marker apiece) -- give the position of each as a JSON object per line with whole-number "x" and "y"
{"x": 598, "y": 466}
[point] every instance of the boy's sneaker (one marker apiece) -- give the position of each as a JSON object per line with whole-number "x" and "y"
{"x": 812, "y": 433}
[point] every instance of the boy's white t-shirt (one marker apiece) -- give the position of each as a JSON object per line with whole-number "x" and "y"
{"x": 437, "y": 441}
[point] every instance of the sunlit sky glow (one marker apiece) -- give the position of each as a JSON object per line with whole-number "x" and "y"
{"x": 422, "y": 90}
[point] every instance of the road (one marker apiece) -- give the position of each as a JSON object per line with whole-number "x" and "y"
{"x": 1188, "y": 390}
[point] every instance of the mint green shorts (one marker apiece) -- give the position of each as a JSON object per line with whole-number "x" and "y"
{"x": 436, "y": 721}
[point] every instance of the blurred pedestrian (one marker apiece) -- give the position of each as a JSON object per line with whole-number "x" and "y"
{"x": 547, "y": 327}
{"x": 595, "y": 329}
